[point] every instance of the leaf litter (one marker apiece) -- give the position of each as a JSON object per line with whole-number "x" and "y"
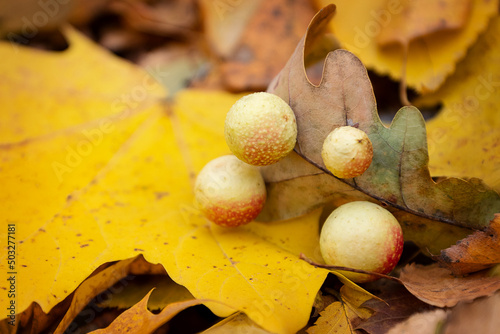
{"x": 102, "y": 199}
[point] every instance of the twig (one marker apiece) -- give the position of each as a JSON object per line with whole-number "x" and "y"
{"x": 359, "y": 271}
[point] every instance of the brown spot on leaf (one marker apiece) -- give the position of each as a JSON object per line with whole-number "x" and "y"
{"x": 160, "y": 194}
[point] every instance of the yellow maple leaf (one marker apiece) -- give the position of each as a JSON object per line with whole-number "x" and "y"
{"x": 97, "y": 166}
{"x": 430, "y": 59}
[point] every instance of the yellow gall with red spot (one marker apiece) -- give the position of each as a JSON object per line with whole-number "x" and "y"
{"x": 361, "y": 235}
{"x": 260, "y": 129}
{"x": 347, "y": 152}
{"x": 230, "y": 192}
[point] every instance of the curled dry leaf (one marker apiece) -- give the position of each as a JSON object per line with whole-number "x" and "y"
{"x": 397, "y": 305}
{"x": 398, "y": 174}
{"x": 343, "y": 315}
{"x": 478, "y": 251}
{"x": 138, "y": 319}
{"x": 165, "y": 292}
{"x": 437, "y": 286}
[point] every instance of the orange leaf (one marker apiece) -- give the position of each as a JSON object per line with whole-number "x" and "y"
{"x": 437, "y": 286}
{"x": 478, "y": 251}
{"x": 139, "y": 320}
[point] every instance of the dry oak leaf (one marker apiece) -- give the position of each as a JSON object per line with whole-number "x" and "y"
{"x": 339, "y": 316}
{"x": 398, "y": 174}
{"x": 295, "y": 187}
{"x": 117, "y": 163}
{"x": 396, "y": 305}
{"x": 478, "y": 251}
{"x": 431, "y": 58}
{"x": 437, "y": 286}
{"x": 139, "y": 320}
{"x": 463, "y": 138}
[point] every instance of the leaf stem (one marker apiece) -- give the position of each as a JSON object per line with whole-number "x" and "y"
{"x": 359, "y": 271}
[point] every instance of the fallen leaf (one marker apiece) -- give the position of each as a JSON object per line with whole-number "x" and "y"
{"x": 339, "y": 316}
{"x": 480, "y": 316}
{"x": 397, "y": 305}
{"x": 174, "y": 65}
{"x": 128, "y": 162}
{"x": 437, "y": 286}
{"x": 421, "y": 323}
{"x": 129, "y": 88}
{"x": 296, "y": 187}
{"x": 420, "y": 18}
{"x": 430, "y": 59}
{"x": 171, "y": 18}
{"x": 21, "y": 21}
{"x": 236, "y": 323}
{"x": 225, "y": 22}
{"x": 478, "y": 251}
{"x": 35, "y": 320}
{"x": 321, "y": 302}
{"x": 463, "y": 138}
{"x": 430, "y": 235}
{"x": 255, "y": 53}
{"x": 165, "y": 292}
{"x": 398, "y": 174}
{"x": 90, "y": 288}
{"x": 139, "y": 320}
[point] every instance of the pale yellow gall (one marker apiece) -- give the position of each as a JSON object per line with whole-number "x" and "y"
{"x": 230, "y": 192}
{"x": 362, "y": 235}
{"x": 347, "y": 152}
{"x": 260, "y": 129}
